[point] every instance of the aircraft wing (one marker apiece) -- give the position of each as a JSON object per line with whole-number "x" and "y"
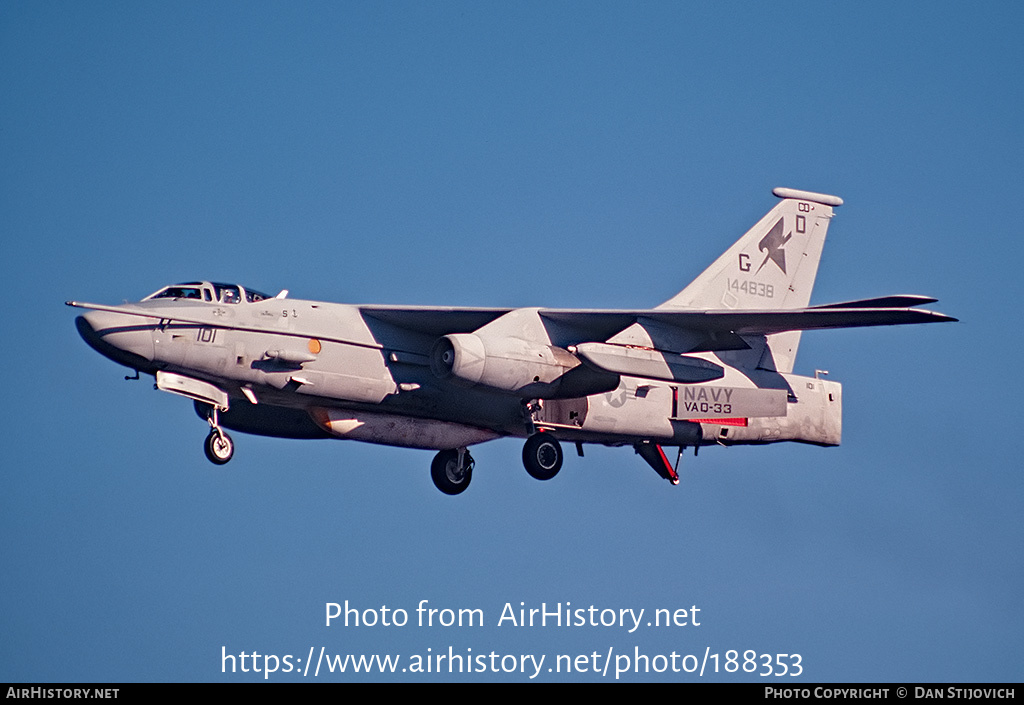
{"x": 434, "y": 320}
{"x": 602, "y": 324}
{"x": 748, "y": 322}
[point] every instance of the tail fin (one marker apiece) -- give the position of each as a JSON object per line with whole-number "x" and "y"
{"x": 772, "y": 266}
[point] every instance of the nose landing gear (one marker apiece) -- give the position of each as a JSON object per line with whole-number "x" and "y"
{"x": 218, "y": 445}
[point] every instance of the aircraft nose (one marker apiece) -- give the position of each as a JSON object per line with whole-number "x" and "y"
{"x": 127, "y": 340}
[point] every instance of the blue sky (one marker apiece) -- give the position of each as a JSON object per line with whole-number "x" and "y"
{"x": 563, "y": 154}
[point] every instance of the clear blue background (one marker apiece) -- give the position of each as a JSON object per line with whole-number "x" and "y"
{"x": 574, "y": 154}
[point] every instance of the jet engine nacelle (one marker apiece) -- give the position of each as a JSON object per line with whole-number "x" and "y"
{"x": 525, "y": 368}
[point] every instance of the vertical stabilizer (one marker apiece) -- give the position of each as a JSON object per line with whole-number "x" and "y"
{"x": 772, "y": 266}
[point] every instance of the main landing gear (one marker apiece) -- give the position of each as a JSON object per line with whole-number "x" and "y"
{"x": 542, "y": 456}
{"x": 452, "y": 470}
{"x": 218, "y": 445}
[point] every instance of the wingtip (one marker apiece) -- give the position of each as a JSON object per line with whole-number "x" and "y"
{"x": 934, "y": 316}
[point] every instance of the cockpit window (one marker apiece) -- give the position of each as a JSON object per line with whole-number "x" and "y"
{"x": 253, "y": 296}
{"x": 214, "y": 292}
{"x": 227, "y": 293}
{"x": 179, "y": 292}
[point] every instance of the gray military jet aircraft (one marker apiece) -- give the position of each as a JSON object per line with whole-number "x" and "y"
{"x": 712, "y": 365}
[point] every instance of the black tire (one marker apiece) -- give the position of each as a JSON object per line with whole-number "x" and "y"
{"x": 444, "y": 471}
{"x": 219, "y": 447}
{"x": 542, "y": 456}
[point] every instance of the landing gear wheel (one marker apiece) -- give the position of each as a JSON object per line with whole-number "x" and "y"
{"x": 542, "y": 456}
{"x": 446, "y": 473}
{"x": 219, "y": 447}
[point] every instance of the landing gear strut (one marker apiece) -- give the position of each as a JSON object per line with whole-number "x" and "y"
{"x": 452, "y": 470}
{"x": 218, "y": 445}
{"x": 542, "y": 456}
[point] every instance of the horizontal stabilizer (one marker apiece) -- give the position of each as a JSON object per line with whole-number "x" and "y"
{"x": 768, "y": 322}
{"x": 900, "y": 301}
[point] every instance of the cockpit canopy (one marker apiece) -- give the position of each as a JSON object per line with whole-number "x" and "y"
{"x": 211, "y": 292}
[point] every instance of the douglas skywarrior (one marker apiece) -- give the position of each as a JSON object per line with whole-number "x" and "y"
{"x": 713, "y": 365}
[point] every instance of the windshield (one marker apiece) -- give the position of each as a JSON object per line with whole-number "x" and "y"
{"x": 181, "y": 291}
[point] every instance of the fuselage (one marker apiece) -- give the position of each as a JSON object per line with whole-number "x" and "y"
{"x": 346, "y": 374}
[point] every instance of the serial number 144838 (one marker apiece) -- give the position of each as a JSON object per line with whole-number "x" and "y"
{"x": 751, "y": 287}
